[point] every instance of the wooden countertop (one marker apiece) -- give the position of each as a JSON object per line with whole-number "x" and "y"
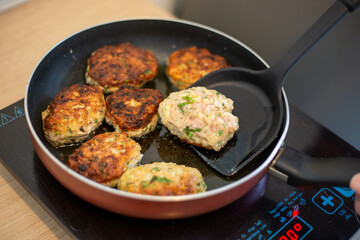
{"x": 27, "y": 33}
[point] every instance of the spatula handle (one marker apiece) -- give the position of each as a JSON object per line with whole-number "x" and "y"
{"x": 301, "y": 170}
{"x": 329, "y": 19}
{"x": 351, "y": 4}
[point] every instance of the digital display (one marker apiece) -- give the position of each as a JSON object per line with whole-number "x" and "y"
{"x": 295, "y": 229}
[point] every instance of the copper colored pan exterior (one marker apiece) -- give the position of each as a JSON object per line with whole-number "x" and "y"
{"x": 144, "y": 206}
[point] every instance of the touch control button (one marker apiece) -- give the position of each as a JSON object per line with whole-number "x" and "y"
{"x": 346, "y": 192}
{"x": 327, "y": 201}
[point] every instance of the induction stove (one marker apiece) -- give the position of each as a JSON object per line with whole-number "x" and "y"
{"x": 271, "y": 210}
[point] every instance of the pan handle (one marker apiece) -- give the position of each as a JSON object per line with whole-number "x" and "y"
{"x": 301, "y": 170}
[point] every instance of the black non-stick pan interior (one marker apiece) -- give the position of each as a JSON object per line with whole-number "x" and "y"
{"x": 65, "y": 65}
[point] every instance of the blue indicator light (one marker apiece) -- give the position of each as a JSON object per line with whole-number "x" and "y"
{"x": 346, "y": 192}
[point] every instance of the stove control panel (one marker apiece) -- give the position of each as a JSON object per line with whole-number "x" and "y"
{"x": 287, "y": 213}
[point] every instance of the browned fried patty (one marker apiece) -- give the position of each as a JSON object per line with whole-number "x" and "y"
{"x": 105, "y": 157}
{"x": 113, "y": 66}
{"x": 73, "y": 114}
{"x": 187, "y": 65}
{"x": 133, "y": 110}
{"x": 164, "y": 179}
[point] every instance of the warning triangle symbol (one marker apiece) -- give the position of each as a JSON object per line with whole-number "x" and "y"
{"x": 5, "y": 119}
{"x": 18, "y": 112}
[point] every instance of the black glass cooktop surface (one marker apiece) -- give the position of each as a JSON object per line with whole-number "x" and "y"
{"x": 272, "y": 210}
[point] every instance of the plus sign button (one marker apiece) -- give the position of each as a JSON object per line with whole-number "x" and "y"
{"x": 327, "y": 201}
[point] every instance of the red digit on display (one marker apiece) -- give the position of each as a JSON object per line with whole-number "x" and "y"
{"x": 292, "y": 235}
{"x": 293, "y": 230}
{"x": 297, "y": 227}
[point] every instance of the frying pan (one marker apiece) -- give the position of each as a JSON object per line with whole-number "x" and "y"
{"x": 65, "y": 65}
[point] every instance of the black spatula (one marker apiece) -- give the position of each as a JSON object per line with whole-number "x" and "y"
{"x": 258, "y": 102}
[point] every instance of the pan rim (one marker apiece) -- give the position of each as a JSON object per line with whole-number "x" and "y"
{"x": 144, "y": 197}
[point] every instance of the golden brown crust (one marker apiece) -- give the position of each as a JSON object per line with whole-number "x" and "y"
{"x": 130, "y": 110}
{"x": 188, "y": 65}
{"x": 73, "y": 114}
{"x": 105, "y": 157}
{"x": 163, "y": 179}
{"x": 113, "y": 66}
